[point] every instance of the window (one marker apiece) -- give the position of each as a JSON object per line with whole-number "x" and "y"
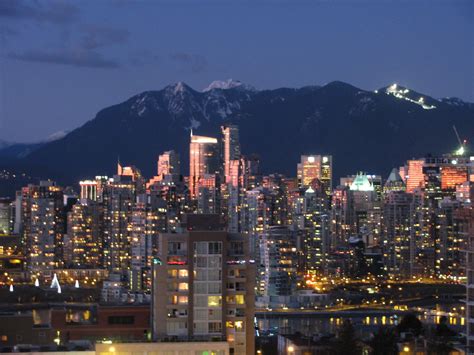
{"x": 214, "y": 262}
{"x": 183, "y": 299}
{"x": 183, "y": 273}
{"x": 201, "y": 275}
{"x": 214, "y": 275}
{"x": 237, "y": 248}
{"x": 229, "y": 324}
{"x": 172, "y": 273}
{"x": 214, "y": 301}
{"x": 200, "y": 314}
{"x": 200, "y": 301}
{"x": 200, "y": 287}
{"x": 200, "y": 261}
{"x": 183, "y": 286}
{"x": 200, "y": 248}
{"x": 200, "y": 327}
{"x": 215, "y": 314}
{"x": 240, "y": 312}
{"x": 240, "y": 299}
{"x": 239, "y": 325}
{"x": 121, "y": 319}
{"x": 176, "y": 327}
{"x": 215, "y": 247}
{"x": 4, "y": 338}
{"x": 175, "y": 248}
{"x": 214, "y": 288}
{"x": 215, "y": 327}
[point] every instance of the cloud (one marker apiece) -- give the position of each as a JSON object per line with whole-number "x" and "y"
{"x": 76, "y": 58}
{"x": 51, "y": 11}
{"x": 195, "y": 62}
{"x": 100, "y": 36}
{"x": 143, "y": 57}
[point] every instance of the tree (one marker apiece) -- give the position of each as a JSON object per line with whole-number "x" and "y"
{"x": 384, "y": 342}
{"x": 410, "y": 323}
{"x": 346, "y": 341}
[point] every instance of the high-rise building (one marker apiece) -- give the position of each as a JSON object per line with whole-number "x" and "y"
{"x": 465, "y": 220}
{"x": 92, "y": 189}
{"x": 169, "y": 164}
{"x": 277, "y": 271}
{"x": 394, "y": 182}
{"x": 415, "y": 177}
{"x": 315, "y": 167}
{"x": 43, "y": 226}
{"x": 203, "y": 159}
{"x": 84, "y": 235}
{"x": 398, "y": 240}
{"x": 452, "y": 176}
{"x": 230, "y": 148}
{"x": 310, "y": 215}
{"x": 118, "y": 199}
{"x": 203, "y": 286}
{"x": 147, "y": 221}
{"x": 5, "y": 216}
{"x": 209, "y": 194}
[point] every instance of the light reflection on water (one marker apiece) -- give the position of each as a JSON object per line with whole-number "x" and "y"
{"x": 365, "y": 325}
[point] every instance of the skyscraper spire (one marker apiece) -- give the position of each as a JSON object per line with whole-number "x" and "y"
{"x": 119, "y": 166}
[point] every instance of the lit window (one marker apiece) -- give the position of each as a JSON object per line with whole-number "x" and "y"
{"x": 214, "y": 301}
{"x": 239, "y": 325}
{"x": 183, "y": 286}
{"x": 239, "y": 299}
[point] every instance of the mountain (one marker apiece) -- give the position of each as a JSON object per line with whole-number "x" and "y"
{"x": 365, "y": 130}
{"x": 9, "y": 150}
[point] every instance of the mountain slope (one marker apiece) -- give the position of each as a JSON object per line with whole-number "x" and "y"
{"x": 363, "y": 130}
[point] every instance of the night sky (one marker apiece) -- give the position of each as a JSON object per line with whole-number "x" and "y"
{"x": 61, "y": 62}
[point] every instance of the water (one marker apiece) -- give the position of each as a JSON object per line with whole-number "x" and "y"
{"x": 364, "y": 324}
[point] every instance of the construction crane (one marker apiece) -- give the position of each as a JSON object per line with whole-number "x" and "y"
{"x": 462, "y": 143}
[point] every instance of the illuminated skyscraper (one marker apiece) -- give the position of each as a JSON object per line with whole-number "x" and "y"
{"x": 85, "y": 232}
{"x": 147, "y": 221}
{"x": 230, "y": 148}
{"x": 119, "y": 197}
{"x": 398, "y": 241}
{"x": 452, "y": 176}
{"x": 415, "y": 177}
{"x": 315, "y": 167}
{"x": 278, "y": 270}
{"x": 168, "y": 163}
{"x": 43, "y": 226}
{"x": 203, "y": 159}
{"x": 5, "y": 216}
{"x": 394, "y": 182}
{"x": 310, "y": 215}
{"x": 465, "y": 225}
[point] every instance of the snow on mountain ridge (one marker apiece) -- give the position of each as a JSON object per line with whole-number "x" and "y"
{"x": 227, "y": 84}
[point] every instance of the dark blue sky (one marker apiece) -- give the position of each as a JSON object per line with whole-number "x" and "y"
{"x": 61, "y": 62}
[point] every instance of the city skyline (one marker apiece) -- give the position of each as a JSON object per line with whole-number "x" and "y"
{"x": 248, "y": 177}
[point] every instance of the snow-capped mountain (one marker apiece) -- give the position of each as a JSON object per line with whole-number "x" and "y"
{"x": 228, "y": 84}
{"x": 363, "y": 130}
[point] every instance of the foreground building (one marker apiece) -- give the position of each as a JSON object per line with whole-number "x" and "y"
{"x": 203, "y": 286}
